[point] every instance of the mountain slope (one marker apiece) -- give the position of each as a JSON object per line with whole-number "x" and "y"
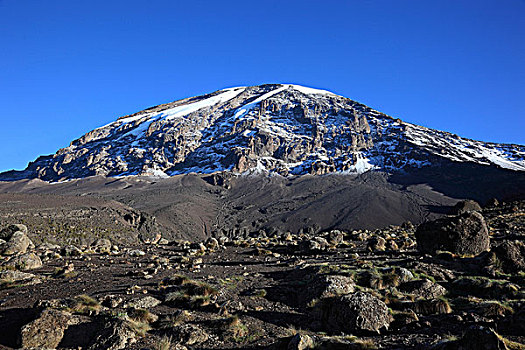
{"x": 283, "y": 129}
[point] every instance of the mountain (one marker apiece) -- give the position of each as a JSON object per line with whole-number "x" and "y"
{"x": 240, "y": 160}
{"x": 275, "y": 128}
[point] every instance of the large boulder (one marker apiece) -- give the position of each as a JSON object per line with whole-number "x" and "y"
{"x": 353, "y": 313}
{"x": 326, "y": 286}
{"x": 17, "y": 244}
{"x": 8, "y": 232}
{"x": 189, "y": 334}
{"x": 512, "y": 255}
{"x": 116, "y": 334}
{"x": 465, "y": 206}
{"x": 27, "y": 261}
{"x": 465, "y": 234}
{"x": 46, "y": 331}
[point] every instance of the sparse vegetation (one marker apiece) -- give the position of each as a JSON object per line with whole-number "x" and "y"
{"x": 84, "y": 304}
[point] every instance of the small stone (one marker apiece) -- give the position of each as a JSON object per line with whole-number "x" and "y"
{"x": 301, "y": 342}
{"x": 377, "y": 244}
{"x": 136, "y": 252}
{"x": 71, "y": 250}
{"x": 163, "y": 241}
{"x": 102, "y": 246}
{"x": 335, "y": 237}
{"x": 143, "y": 303}
{"x": 212, "y": 243}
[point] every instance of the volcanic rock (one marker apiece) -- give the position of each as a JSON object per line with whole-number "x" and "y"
{"x": 357, "y": 312}
{"x": 465, "y": 234}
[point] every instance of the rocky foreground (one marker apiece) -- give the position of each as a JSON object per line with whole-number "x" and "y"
{"x": 454, "y": 283}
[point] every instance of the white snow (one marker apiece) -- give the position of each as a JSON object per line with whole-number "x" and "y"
{"x": 361, "y": 165}
{"x": 183, "y": 110}
{"x": 309, "y": 90}
{"x": 458, "y": 149}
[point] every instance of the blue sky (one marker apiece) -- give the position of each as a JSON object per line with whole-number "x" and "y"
{"x": 67, "y": 67}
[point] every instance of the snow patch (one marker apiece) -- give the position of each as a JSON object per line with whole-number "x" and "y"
{"x": 311, "y": 91}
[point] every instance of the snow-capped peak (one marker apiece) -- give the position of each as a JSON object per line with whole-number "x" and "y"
{"x": 282, "y": 129}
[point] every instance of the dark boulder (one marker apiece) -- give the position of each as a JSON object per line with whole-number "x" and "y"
{"x": 511, "y": 254}
{"x": 465, "y": 234}
{"x": 353, "y": 313}
{"x": 465, "y": 206}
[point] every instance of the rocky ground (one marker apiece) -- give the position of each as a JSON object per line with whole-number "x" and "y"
{"x": 455, "y": 283}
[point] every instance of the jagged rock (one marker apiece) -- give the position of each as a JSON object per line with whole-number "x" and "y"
{"x": 189, "y": 334}
{"x": 46, "y": 331}
{"x": 17, "y": 244}
{"x": 357, "y": 312}
{"x": 116, "y": 334}
{"x": 424, "y": 288}
{"x": 301, "y": 342}
{"x": 465, "y": 206}
{"x": 71, "y": 250}
{"x": 463, "y": 234}
{"x": 512, "y": 256}
{"x": 7, "y": 232}
{"x": 27, "y": 261}
{"x": 102, "y": 246}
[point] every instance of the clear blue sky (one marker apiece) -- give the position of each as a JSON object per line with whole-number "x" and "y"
{"x": 67, "y": 67}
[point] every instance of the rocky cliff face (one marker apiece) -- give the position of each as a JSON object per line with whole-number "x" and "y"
{"x": 283, "y": 129}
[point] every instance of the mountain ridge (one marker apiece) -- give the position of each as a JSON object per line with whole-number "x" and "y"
{"x": 284, "y": 129}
